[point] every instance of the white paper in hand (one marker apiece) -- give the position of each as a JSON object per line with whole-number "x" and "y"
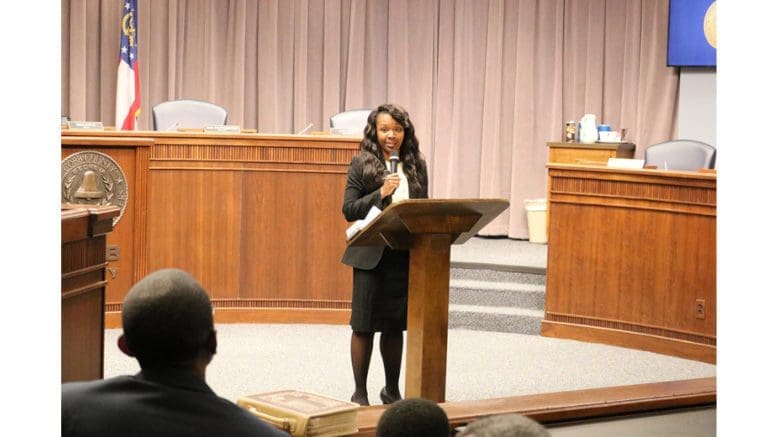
{"x": 358, "y": 225}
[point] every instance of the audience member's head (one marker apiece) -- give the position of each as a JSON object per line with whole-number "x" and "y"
{"x": 168, "y": 327}
{"x": 504, "y": 425}
{"x": 168, "y": 322}
{"x": 413, "y": 417}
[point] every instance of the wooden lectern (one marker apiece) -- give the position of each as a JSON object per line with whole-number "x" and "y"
{"x": 427, "y": 228}
{"x": 84, "y": 233}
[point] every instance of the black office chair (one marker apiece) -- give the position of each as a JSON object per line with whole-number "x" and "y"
{"x": 681, "y": 155}
{"x": 351, "y": 122}
{"x": 187, "y": 113}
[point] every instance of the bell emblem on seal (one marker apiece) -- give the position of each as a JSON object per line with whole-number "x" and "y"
{"x": 88, "y": 189}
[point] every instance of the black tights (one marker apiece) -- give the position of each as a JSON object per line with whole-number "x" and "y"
{"x": 361, "y": 351}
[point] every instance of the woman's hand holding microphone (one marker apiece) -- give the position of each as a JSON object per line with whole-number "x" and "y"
{"x": 390, "y": 184}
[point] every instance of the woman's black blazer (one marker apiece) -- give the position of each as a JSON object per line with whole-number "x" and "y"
{"x": 358, "y": 200}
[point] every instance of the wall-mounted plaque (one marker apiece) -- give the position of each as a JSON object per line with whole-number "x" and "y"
{"x": 94, "y": 178}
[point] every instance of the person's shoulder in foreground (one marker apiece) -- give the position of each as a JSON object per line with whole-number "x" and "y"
{"x": 504, "y": 425}
{"x": 167, "y": 322}
{"x": 413, "y": 417}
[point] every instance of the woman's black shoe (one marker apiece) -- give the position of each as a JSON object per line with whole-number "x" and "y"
{"x": 363, "y": 402}
{"x": 387, "y": 398}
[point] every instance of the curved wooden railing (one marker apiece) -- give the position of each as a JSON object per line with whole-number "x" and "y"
{"x": 560, "y": 408}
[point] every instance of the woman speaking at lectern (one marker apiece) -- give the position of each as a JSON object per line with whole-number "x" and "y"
{"x": 379, "y": 301}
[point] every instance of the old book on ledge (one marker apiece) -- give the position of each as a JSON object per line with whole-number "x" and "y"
{"x": 302, "y": 413}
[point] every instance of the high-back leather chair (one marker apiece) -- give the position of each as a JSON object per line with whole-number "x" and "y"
{"x": 187, "y": 113}
{"x": 351, "y": 122}
{"x": 680, "y": 155}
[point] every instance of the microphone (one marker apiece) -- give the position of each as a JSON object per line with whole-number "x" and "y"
{"x": 393, "y": 160}
{"x": 304, "y": 131}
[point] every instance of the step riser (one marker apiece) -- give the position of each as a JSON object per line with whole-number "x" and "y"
{"x": 516, "y": 324}
{"x": 497, "y": 276}
{"x": 534, "y": 300}
{"x": 496, "y": 289}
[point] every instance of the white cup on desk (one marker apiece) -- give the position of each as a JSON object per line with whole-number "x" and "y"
{"x": 609, "y": 136}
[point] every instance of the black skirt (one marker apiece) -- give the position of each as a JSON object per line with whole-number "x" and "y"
{"x": 379, "y": 301}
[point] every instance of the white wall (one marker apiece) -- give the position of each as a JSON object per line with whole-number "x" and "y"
{"x": 697, "y": 114}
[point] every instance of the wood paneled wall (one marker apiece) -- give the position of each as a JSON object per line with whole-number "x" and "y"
{"x": 631, "y": 259}
{"x": 130, "y": 233}
{"x": 255, "y": 218}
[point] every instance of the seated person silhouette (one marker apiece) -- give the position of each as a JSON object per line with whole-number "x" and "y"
{"x": 413, "y": 417}
{"x": 167, "y": 321}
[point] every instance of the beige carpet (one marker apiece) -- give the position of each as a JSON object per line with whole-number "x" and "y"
{"x": 259, "y": 358}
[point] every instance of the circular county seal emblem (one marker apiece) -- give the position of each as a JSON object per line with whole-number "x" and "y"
{"x": 93, "y": 178}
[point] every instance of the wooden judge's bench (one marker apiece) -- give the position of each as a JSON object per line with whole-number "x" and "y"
{"x": 587, "y": 153}
{"x": 255, "y": 218}
{"x": 632, "y": 258}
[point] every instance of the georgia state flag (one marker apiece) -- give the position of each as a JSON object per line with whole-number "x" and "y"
{"x": 128, "y": 78}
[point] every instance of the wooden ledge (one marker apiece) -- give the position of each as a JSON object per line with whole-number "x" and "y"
{"x": 565, "y": 406}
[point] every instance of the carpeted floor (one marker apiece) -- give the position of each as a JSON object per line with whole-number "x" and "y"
{"x": 255, "y": 358}
{"x": 259, "y": 358}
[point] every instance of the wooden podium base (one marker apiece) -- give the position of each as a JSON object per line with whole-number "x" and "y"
{"x": 427, "y": 316}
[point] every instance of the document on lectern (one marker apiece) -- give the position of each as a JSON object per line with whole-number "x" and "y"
{"x": 358, "y": 225}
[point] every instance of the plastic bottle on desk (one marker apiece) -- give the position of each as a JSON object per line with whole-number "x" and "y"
{"x": 588, "y": 132}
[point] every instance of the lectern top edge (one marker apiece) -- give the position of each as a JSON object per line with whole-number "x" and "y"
{"x": 392, "y": 221}
{"x": 448, "y": 204}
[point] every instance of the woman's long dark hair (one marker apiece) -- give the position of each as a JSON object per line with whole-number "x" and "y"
{"x": 409, "y": 153}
